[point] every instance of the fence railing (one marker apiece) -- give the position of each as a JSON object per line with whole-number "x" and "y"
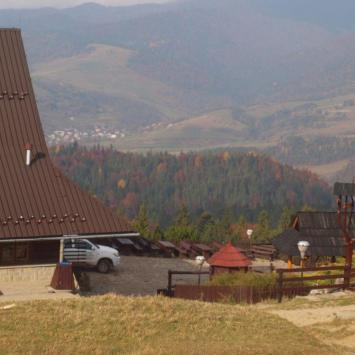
{"x": 235, "y": 294}
{"x": 298, "y": 285}
{"x": 290, "y": 283}
{"x": 171, "y": 273}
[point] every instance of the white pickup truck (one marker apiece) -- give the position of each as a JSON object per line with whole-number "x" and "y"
{"x": 82, "y": 252}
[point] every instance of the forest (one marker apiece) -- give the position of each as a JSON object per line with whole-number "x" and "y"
{"x": 200, "y": 195}
{"x": 315, "y": 150}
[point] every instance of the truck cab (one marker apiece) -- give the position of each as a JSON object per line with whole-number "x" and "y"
{"x": 82, "y": 252}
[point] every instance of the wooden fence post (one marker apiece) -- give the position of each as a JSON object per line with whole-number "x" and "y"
{"x": 279, "y": 287}
{"x": 170, "y": 291}
{"x": 347, "y": 276}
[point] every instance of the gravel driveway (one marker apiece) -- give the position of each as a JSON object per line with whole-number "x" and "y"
{"x": 142, "y": 275}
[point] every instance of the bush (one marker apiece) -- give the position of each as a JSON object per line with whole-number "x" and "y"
{"x": 245, "y": 279}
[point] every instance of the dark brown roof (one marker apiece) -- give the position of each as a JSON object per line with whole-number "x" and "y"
{"x": 320, "y": 245}
{"x": 317, "y": 220}
{"x": 344, "y": 189}
{"x": 37, "y": 200}
{"x": 320, "y": 229}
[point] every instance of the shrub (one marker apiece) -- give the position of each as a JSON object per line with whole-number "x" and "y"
{"x": 245, "y": 279}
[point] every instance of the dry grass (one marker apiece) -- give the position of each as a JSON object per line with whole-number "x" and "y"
{"x": 330, "y": 318}
{"x": 148, "y": 325}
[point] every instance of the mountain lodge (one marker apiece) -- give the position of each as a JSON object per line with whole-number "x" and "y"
{"x": 39, "y": 206}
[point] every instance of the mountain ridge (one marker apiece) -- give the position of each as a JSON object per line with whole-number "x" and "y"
{"x": 194, "y": 67}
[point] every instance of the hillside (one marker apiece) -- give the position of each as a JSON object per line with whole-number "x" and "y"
{"x": 149, "y": 325}
{"x": 195, "y": 74}
{"x": 214, "y": 182}
{"x": 92, "y": 77}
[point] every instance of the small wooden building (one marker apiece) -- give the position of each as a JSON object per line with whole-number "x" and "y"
{"x": 191, "y": 250}
{"x": 169, "y": 249}
{"x": 215, "y": 246}
{"x": 202, "y": 249}
{"x": 320, "y": 229}
{"x": 186, "y": 248}
{"x": 228, "y": 259}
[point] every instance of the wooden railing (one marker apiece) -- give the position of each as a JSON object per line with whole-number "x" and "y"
{"x": 286, "y": 285}
{"x": 289, "y": 283}
{"x": 169, "y": 291}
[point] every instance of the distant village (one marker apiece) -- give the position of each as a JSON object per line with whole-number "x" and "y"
{"x": 96, "y": 134}
{"x": 70, "y": 135}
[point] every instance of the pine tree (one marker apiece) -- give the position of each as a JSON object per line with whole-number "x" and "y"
{"x": 285, "y": 219}
{"x": 226, "y": 222}
{"x": 141, "y": 223}
{"x": 263, "y": 231}
{"x": 157, "y": 234}
{"x": 202, "y": 223}
{"x": 182, "y": 218}
{"x": 240, "y": 231}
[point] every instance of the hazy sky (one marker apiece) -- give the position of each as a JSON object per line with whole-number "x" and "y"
{"x": 5, "y": 4}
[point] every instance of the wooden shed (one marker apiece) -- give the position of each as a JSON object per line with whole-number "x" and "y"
{"x": 169, "y": 249}
{"x": 320, "y": 229}
{"x": 202, "y": 249}
{"x": 228, "y": 259}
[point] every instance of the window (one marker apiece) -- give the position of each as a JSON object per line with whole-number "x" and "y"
{"x": 80, "y": 244}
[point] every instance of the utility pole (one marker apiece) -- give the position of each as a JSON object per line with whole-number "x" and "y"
{"x": 345, "y": 202}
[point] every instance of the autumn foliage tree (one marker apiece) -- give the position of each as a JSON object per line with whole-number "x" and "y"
{"x": 224, "y": 185}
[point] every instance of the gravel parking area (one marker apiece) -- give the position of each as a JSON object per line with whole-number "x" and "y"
{"x": 142, "y": 275}
{"x": 134, "y": 276}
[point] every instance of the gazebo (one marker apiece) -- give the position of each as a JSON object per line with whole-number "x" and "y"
{"x": 228, "y": 259}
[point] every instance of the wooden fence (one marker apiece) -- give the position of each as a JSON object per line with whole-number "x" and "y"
{"x": 289, "y": 285}
{"x": 237, "y": 294}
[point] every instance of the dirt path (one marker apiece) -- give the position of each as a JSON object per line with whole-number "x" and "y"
{"x": 311, "y": 316}
{"x": 30, "y": 290}
{"x": 330, "y": 317}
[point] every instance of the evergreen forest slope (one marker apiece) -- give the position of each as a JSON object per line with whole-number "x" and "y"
{"x": 213, "y": 182}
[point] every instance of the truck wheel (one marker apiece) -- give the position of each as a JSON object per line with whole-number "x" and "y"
{"x": 103, "y": 266}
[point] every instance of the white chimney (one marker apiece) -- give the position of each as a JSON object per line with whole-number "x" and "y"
{"x": 28, "y": 154}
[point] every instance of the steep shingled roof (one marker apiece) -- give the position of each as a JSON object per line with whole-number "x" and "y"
{"x": 230, "y": 257}
{"x": 37, "y": 200}
{"x": 321, "y": 243}
{"x": 320, "y": 229}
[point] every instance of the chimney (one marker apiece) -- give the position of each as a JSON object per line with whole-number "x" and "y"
{"x": 28, "y": 148}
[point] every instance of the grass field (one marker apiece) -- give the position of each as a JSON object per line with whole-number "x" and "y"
{"x": 149, "y": 325}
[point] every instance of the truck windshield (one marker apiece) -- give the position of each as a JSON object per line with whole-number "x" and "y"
{"x": 96, "y": 245}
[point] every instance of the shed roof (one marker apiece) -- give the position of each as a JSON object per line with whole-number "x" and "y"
{"x": 230, "y": 257}
{"x": 37, "y": 200}
{"x": 166, "y": 244}
{"x": 125, "y": 241}
{"x": 320, "y": 229}
{"x": 321, "y": 244}
{"x": 317, "y": 220}
{"x": 202, "y": 247}
{"x": 344, "y": 189}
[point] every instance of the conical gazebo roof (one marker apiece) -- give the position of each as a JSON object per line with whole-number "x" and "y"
{"x": 229, "y": 257}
